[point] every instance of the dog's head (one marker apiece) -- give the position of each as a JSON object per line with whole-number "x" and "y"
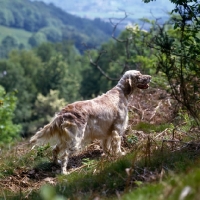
{"x": 133, "y": 79}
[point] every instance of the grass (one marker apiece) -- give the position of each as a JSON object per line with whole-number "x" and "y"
{"x": 112, "y": 179}
{"x": 14, "y": 159}
{"x": 22, "y": 36}
{"x": 149, "y": 128}
{"x": 176, "y": 186}
{"x": 151, "y": 170}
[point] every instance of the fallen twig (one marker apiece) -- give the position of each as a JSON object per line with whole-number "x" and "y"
{"x": 161, "y": 133}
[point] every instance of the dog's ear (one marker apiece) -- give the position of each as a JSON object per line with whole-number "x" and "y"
{"x": 128, "y": 86}
{"x": 129, "y": 81}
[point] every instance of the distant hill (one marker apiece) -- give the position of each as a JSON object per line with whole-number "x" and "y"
{"x": 41, "y": 22}
{"x": 115, "y": 8}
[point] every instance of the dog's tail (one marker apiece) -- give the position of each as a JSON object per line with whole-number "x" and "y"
{"x": 49, "y": 131}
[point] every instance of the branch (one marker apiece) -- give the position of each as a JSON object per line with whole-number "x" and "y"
{"x": 115, "y": 27}
{"x": 95, "y": 63}
{"x": 155, "y": 110}
{"x": 126, "y": 41}
{"x": 140, "y": 110}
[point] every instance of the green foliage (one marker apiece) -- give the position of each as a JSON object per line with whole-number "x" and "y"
{"x": 7, "y": 44}
{"x": 128, "y": 52}
{"x": 21, "y": 71}
{"x": 166, "y": 176}
{"x": 37, "y": 76}
{"x": 8, "y": 130}
{"x": 42, "y": 149}
{"x": 132, "y": 139}
{"x": 19, "y": 35}
{"x": 52, "y": 73}
{"x": 45, "y": 108}
{"x": 37, "y": 39}
{"x": 89, "y": 163}
{"x": 49, "y": 23}
{"x": 149, "y": 128}
{"x": 60, "y": 70}
{"x": 101, "y": 178}
{"x": 47, "y": 192}
{"x": 90, "y": 84}
{"x": 185, "y": 120}
{"x": 183, "y": 186}
{"x": 178, "y": 55}
{"x": 52, "y": 34}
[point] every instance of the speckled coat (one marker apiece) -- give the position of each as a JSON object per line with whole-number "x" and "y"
{"x": 104, "y": 118}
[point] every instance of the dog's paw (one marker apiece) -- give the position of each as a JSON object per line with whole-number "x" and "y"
{"x": 122, "y": 153}
{"x": 64, "y": 172}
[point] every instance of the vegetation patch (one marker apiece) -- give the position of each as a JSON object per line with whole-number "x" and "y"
{"x": 149, "y": 170}
{"x": 162, "y": 137}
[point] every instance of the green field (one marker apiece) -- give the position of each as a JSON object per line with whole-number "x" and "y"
{"x": 20, "y": 35}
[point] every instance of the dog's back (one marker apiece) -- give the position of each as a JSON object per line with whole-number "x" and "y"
{"x": 104, "y": 118}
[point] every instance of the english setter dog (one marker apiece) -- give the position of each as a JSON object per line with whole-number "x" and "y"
{"x": 104, "y": 117}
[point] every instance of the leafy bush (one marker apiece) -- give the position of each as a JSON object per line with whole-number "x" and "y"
{"x": 8, "y": 130}
{"x": 178, "y": 55}
{"x": 44, "y": 109}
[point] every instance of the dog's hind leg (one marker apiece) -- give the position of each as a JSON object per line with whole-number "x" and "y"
{"x": 116, "y": 144}
{"x": 64, "y": 162}
{"x": 60, "y": 147}
{"x": 56, "y": 151}
{"x": 69, "y": 148}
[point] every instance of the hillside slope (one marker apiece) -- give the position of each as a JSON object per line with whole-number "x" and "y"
{"x": 115, "y": 8}
{"x": 50, "y": 23}
{"x": 158, "y": 164}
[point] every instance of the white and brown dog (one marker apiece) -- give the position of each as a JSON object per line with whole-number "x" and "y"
{"x": 104, "y": 118}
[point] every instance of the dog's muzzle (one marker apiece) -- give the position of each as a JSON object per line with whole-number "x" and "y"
{"x": 144, "y": 82}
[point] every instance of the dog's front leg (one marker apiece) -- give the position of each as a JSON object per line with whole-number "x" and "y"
{"x": 106, "y": 146}
{"x": 64, "y": 162}
{"x": 116, "y": 144}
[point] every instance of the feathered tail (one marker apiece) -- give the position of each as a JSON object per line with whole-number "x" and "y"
{"x": 49, "y": 131}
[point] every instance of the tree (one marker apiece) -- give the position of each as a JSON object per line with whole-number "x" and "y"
{"x": 39, "y": 71}
{"x": 52, "y": 34}
{"x": 128, "y": 51}
{"x": 52, "y": 74}
{"x": 8, "y": 130}
{"x": 178, "y": 55}
{"x": 20, "y": 75}
{"x": 45, "y": 108}
{"x": 7, "y": 44}
{"x": 37, "y": 38}
{"x": 60, "y": 70}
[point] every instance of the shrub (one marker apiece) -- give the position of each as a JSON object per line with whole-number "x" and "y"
{"x": 8, "y": 130}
